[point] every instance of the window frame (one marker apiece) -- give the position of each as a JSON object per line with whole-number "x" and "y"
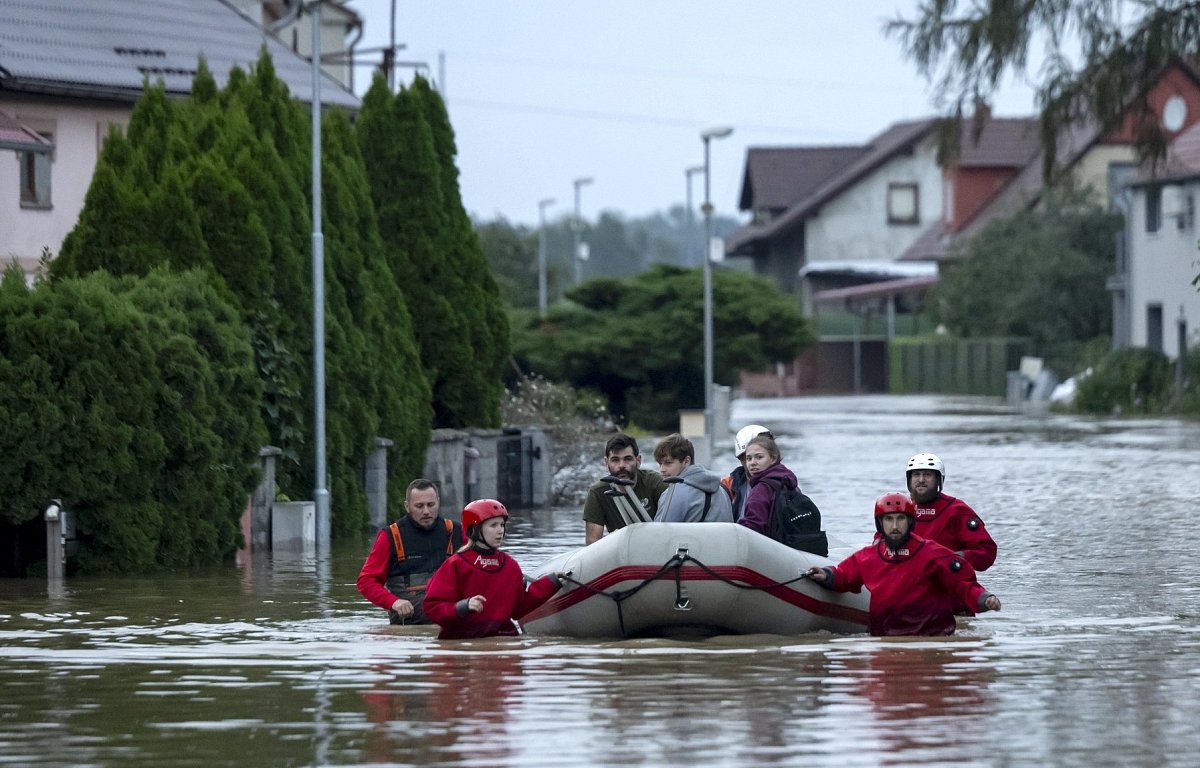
{"x": 35, "y": 177}
{"x": 895, "y": 187}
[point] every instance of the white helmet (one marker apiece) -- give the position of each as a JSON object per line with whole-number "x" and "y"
{"x": 928, "y": 461}
{"x": 744, "y": 436}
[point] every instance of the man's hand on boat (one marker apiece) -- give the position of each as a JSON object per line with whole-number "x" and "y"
{"x": 817, "y": 574}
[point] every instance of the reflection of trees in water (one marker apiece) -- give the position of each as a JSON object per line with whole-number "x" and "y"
{"x": 423, "y": 710}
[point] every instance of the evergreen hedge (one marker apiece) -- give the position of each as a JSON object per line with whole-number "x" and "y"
{"x": 221, "y": 182}
{"x": 134, "y": 401}
{"x": 433, "y": 251}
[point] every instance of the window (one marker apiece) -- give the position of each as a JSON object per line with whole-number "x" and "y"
{"x": 1154, "y": 327}
{"x": 1153, "y": 208}
{"x": 902, "y": 204}
{"x": 35, "y": 177}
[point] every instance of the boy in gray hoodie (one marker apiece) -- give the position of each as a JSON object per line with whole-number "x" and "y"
{"x": 693, "y": 494}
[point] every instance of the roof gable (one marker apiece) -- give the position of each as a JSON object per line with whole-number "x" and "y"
{"x": 776, "y": 177}
{"x": 106, "y": 49}
{"x": 896, "y": 140}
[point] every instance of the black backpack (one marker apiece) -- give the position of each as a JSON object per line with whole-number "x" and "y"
{"x": 796, "y": 521}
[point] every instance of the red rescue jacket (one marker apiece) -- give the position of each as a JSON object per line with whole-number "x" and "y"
{"x": 913, "y": 591}
{"x": 494, "y": 575}
{"x": 954, "y": 525}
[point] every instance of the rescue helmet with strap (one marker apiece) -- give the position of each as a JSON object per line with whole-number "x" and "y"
{"x": 745, "y": 435}
{"x": 927, "y": 461}
{"x": 477, "y": 511}
{"x": 893, "y": 502}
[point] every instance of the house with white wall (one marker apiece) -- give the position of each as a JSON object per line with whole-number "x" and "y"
{"x": 71, "y": 71}
{"x": 1161, "y": 307}
{"x": 821, "y": 216}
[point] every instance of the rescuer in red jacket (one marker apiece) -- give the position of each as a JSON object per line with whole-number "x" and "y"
{"x": 915, "y": 583}
{"x": 945, "y": 519}
{"x": 480, "y": 591}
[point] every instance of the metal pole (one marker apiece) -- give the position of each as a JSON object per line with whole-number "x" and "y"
{"x": 320, "y": 492}
{"x": 542, "y": 205}
{"x": 577, "y": 227}
{"x": 707, "y": 136}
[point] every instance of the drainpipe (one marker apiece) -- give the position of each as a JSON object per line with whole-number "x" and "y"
{"x": 350, "y": 46}
{"x": 292, "y": 13}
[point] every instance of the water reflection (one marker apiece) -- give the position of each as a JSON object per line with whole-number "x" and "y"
{"x": 925, "y": 700}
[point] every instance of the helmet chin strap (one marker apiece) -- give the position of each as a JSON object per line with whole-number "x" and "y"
{"x": 477, "y": 541}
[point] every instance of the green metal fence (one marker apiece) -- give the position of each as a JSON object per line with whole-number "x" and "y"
{"x": 953, "y": 366}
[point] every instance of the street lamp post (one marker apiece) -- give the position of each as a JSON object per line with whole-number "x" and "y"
{"x": 542, "y": 206}
{"x": 320, "y": 490}
{"x": 691, "y": 217}
{"x": 577, "y": 227}
{"x": 707, "y": 136}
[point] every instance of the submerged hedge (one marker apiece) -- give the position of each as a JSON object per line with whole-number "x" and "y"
{"x": 135, "y": 401}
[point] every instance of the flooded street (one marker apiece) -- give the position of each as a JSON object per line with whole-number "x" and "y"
{"x": 1094, "y": 660}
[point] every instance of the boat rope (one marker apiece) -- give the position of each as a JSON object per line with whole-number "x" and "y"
{"x": 675, "y": 563}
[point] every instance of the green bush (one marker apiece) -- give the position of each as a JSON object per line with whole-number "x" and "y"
{"x": 133, "y": 401}
{"x": 221, "y": 182}
{"x": 1133, "y": 380}
{"x": 639, "y": 341}
{"x": 1188, "y": 403}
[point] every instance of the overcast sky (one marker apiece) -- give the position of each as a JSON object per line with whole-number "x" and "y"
{"x": 542, "y": 92}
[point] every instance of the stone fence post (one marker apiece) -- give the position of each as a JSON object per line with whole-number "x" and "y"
{"x": 376, "y": 484}
{"x": 262, "y": 500}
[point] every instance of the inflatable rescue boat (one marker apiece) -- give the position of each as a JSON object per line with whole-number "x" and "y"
{"x": 692, "y": 579}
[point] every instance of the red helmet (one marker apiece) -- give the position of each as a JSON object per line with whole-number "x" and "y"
{"x": 895, "y": 501}
{"x": 483, "y": 509}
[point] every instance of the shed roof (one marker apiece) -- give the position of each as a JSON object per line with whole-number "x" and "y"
{"x": 106, "y": 49}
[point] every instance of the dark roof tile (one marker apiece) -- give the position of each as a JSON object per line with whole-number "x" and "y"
{"x": 106, "y": 49}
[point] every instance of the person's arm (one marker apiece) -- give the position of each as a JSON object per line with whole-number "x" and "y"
{"x": 441, "y": 595}
{"x": 372, "y": 579}
{"x": 757, "y": 514}
{"x": 592, "y": 533}
{"x": 957, "y": 577}
{"x": 978, "y": 547}
{"x": 593, "y": 517}
{"x": 537, "y": 593}
{"x": 846, "y": 576}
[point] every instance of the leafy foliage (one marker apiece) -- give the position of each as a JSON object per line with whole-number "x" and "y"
{"x": 1130, "y": 380}
{"x": 639, "y": 341}
{"x": 1039, "y": 275}
{"x": 220, "y": 182}
{"x": 133, "y": 400}
{"x": 431, "y": 250}
{"x": 970, "y": 48}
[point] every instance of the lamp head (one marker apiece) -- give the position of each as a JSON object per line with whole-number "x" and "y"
{"x": 716, "y": 133}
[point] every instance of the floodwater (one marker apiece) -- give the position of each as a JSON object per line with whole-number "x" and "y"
{"x": 1094, "y": 660}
